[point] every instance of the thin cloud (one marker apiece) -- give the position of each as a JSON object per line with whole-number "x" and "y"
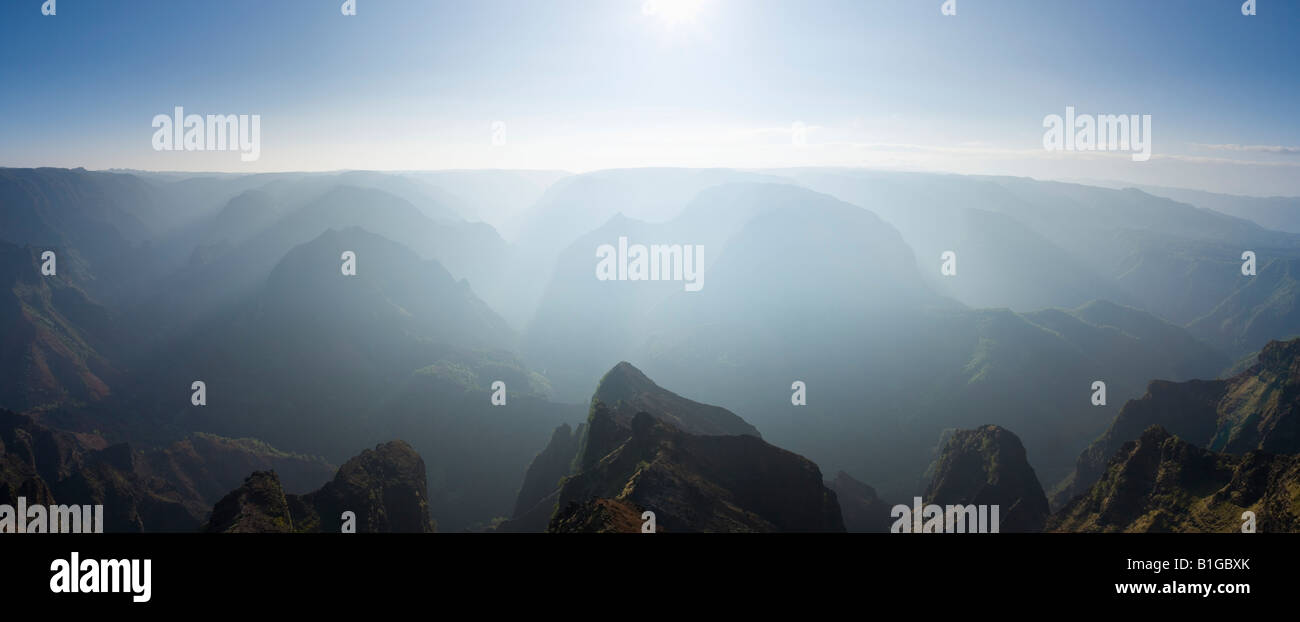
{"x": 1280, "y": 149}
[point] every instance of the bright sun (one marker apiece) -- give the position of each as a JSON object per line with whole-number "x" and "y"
{"x": 673, "y": 11}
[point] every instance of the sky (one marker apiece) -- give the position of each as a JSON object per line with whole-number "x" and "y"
{"x": 581, "y": 85}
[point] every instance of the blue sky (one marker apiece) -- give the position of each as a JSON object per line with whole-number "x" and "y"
{"x": 586, "y": 84}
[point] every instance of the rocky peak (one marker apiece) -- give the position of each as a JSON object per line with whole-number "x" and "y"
{"x": 258, "y": 506}
{"x": 988, "y": 466}
{"x": 627, "y": 391}
{"x": 1160, "y": 482}
{"x": 384, "y": 487}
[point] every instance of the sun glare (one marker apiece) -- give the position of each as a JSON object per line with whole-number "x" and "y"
{"x": 673, "y": 12}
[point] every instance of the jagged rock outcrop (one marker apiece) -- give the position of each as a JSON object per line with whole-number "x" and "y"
{"x": 384, "y": 487}
{"x": 1186, "y": 408}
{"x": 49, "y": 466}
{"x": 698, "y": 467}
{"x": 699, "y": 483}
{"x": 1258, "y": 408}
{"x": 169, "y": 489}
{"x": 600, "y": 516}
{"x": 258, "y": 506}
{"x": 863, "y": 510}
{"x": 1162, "y": 483}
{"x": 988, "y": 466}
{"x": 549, "y": 467}
{"x": 626, "y": 391}
{"x": 535, "y": 503}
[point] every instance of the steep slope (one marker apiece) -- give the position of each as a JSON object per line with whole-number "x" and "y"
{"x": 1262, "y": 307}
{"x": 808, "y": 288}
{"x": 401, "y": 350}
{"x": 863, "y": 510}
{"x": 220, "y": 275}
{"x": 987, "y": 466}
{"x": 1033, "y": 244}
{"x": 1255, "y": 409}
{"x": 772, "y": 254}
{"x": 312, "y": 345}
{"x": 101, "y": 223}
{"x": 1188, "y": 409}
{"x": 241, "y": 218}
{"x": 1162, "y": 483}
{"x": 53, "y": 338}
{"x": 421, "y": 299}
{"x": 915, "y": 374}
{"x": 1138, "y": 341}
{"x": 633, "y": 455}
{"x": 571, "y": 335}
{"x": 475, "y": 450}
{"x": 1003, "y": 261}
{"x": 625, "y": 391}
{"x": 550, "y": 466}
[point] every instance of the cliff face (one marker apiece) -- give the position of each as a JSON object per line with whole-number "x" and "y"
{"x": 549, "y": 467}
{"x": 1162, "y": 483}
{"x": 863, "y": 510}
{"x": 1256, "y": 409}
{"x": 1188, "y": 409}
{"x": 384, "y": 487}
{"x": 987, "y": 466}
{"x": 698, "y": 483}
{"x": 1261, "y": 408}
